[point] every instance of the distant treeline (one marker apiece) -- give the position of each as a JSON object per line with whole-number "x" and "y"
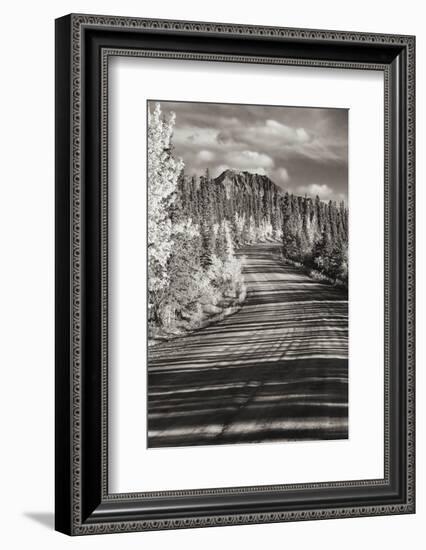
{"x": 313, "y": 232}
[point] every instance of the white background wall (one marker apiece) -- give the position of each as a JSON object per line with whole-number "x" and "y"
{"x": 26, "y": 289}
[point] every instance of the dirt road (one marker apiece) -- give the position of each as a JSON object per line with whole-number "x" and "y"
{"x": 275, "y": 370}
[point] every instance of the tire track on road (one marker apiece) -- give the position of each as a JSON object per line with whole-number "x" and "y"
{"x": 275, "y": 370}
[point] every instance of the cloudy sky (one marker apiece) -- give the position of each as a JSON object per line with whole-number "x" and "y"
{"x": 303, "y": 150}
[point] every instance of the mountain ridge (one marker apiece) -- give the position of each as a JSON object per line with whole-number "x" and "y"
{"x": 245, "y": 180}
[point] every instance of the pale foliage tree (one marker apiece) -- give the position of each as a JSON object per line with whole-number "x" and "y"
{"x": 228, "y": 239}
{"x": 264, "y": 231}
{"x": 239, "y": 223}
{"x": 163, "y": 174}
{"x": 251, "y": 230}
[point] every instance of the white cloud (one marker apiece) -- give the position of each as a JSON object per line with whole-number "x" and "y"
{"x": 257, "y": 170}
{"x": 282, "y": 175}
{"x": 302, "y": 135}
{"x": 248, "y": 160}
{"x": 285, "y": 133}
{"x": 283, "y": 140}
{"x": 204, "y": 138}
{"x": 323, "y": 191}
{"x": 206, "y": 156}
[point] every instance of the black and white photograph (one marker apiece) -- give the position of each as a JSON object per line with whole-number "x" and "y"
{"x": 247, "y": 273}
{"x": 235, "y": 290}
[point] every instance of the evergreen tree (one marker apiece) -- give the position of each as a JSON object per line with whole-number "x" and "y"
{"x": 183, "y": 268}
{"x": 332, "y": 221}
{"x": 238, "y": 228}
{"x": 321, "y": 252}
{"x": 193, "y": 200}
{"x": 229, "y": 243}
{"x": 221, "y": 242}
{"x": 319, "y": 216}
{"x": 337, "y": 261}
{"x": 291, "y": 227}
{"x": 208, "y": 244}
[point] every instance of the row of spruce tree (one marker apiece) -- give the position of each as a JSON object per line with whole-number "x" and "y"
{"x": 196, "y": 224}
{"x": 313, "y": 232}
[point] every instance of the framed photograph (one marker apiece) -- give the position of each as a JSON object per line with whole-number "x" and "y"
{"x": 234, "y": 274}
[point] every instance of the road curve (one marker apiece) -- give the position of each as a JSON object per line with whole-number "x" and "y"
{"x": 275, "y": 370}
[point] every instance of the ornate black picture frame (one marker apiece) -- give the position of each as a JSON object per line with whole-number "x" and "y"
{"x": 84, "y": 44}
